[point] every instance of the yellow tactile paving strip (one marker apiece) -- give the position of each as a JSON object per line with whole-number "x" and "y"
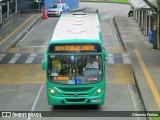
{"x": 118, "y": 50}
{"x": 26, "y": 50}
{"x": 115, "y": 50}
{"x": 148, "y": 77}
{"x": 119, "y": 74}
{"x": 21, "y": 74}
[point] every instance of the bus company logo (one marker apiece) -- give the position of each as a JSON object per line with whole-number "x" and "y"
{"x": 6, "y": 114}
{"x": 75, "y": 95}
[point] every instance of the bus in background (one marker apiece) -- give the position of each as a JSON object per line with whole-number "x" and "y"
{"x": 75, "y": 61}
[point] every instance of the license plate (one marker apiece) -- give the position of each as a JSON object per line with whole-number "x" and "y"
{"x": 96, "y": 100}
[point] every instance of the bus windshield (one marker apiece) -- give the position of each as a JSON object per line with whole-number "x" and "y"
{"x": 75, "y": 69}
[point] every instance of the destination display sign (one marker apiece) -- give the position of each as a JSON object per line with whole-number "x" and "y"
{"x": 75, "y": 48}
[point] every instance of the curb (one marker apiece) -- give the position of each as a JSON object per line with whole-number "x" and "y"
{"x": 143, "y": 104}
{"x": 22, "y": 34}
{"x": 117, "y": 32}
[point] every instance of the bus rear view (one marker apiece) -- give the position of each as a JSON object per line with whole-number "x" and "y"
{"x": 74, "y": 61}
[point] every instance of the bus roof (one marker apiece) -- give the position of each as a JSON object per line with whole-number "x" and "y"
{"x": 77, "y": 26}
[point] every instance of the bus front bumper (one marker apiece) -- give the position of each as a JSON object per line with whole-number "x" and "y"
{"x": 89, "y": 100}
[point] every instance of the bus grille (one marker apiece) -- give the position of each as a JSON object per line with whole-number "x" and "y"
{"x": 75, "y": 89}
{"x": 79, "y": 94}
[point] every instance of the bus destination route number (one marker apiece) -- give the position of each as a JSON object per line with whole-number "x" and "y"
{"x": 75, "y": 48}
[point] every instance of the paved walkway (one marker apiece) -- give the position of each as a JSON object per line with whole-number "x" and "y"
{"x": 24, "y": 23}
{"x": 145, "y": 61}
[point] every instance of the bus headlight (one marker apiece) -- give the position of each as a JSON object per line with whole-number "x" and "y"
{"x": 53, "y": 92}
{"x": 97, "y": 91}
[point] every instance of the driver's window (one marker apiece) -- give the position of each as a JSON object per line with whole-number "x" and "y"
{"x": 92, "y": 62}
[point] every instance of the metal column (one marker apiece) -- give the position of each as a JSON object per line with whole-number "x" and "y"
{"x": 158, "y": 28}
{"x": 136, "y": 15}
{"x": 142, "y": 18}
{"x": 145, "y": 22}
{"x": 8, "y": 9}
{"x": 139, "y": 17}
{"x": 16, "y": 6}
{"x": 155, "y": 32}
{"x": 0, "y": 13}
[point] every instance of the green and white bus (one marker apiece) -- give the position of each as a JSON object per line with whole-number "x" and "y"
{"x": 75, "y": 61}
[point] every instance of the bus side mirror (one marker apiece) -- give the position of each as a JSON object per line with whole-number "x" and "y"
{"x": 44, "y": 61}
{"x": 105, "y": 56}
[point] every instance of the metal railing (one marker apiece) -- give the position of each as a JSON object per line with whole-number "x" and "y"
{"x": 5, "y": 15}
{"x": 7, "y": 25}
{"x": 9, "y": 16}
{"x": 27, "y": 6}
